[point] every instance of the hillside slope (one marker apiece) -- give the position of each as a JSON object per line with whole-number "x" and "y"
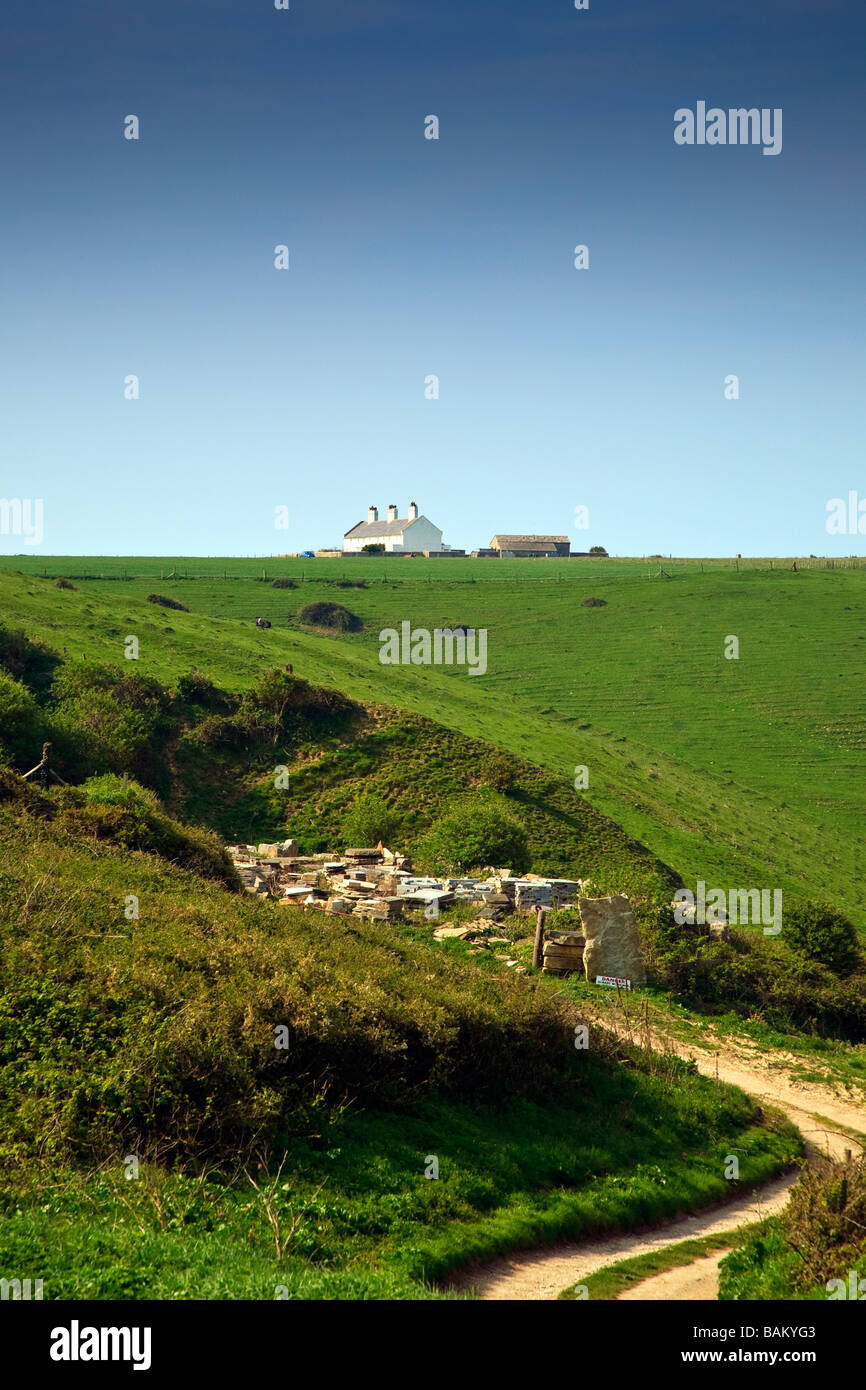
{"x": 746, "y": 772}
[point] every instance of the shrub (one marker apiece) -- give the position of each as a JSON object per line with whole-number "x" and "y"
{"x": 474, "y": 834}
{"x": 497, "y": 771}
{"x": 599, "y": 550}
{"x": 594, "y": 602}
{"x": 284, "y": 584}
{"x": 129, "y": 815}
{"x": 21, "y": 721}
{"x": 375, "y": 548}
{"x": 29, "y": 660}
{"x": 330, "y": 615}
{"x": 817, "y": 1238}
{"x": 111, "y": 790}
{"x": 167, "y": 602}
{"x": 107, "y": 720}
{"x": 63, "y": 584}
{"x": 820, "y": 933}
{"x": 198, "y": 689}
{"x": 370, "y": 820}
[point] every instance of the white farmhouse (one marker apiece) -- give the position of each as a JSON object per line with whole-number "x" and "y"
{"x": 397, "y": 534}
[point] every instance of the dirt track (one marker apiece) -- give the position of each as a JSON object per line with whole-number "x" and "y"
{"x": 542, "y": 1274}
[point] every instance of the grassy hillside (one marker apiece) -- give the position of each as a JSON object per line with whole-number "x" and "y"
{"x": 743, "y": 773}
{"x": 300, "y": 1172}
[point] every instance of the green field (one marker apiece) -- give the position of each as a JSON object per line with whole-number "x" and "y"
{"x": 154, "y": 1037}
{"x": 748, "y": 772}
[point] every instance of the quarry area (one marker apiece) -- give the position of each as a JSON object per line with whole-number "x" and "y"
{"x": 379, "y": 884}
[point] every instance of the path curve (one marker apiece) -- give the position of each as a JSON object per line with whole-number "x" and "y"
{"x": 543, "y": 1274}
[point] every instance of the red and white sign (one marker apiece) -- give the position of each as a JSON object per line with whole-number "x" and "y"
{"x": 612, "y": 980}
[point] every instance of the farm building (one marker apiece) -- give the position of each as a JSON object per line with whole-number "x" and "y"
{"x": 412, "y": 533}
{"x": 518, "y": 547}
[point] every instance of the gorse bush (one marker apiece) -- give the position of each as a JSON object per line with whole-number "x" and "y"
{"x": 107, "y": 720}
{"x": 754, "y": 977}
{"x": 164, "y": 602}
{"x": 198, "y": 689}
{"x": 330, "y": 615}
{"x": 22, "y": 723}
{"x": 370, "y": 820}
{"x": 475, "y": 833}
{"x": 818, "y": 932}
{"x": 818, "y": 1238}
{"x": 29, "y": 661}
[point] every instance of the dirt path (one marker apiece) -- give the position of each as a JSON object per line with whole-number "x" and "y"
{"x": 542, "y": 1274}
{"x": 698, "y": 1281}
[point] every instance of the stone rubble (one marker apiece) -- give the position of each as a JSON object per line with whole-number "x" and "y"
{"x": 378, "y": 884}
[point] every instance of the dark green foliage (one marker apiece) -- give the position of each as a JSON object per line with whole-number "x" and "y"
{"x": 63, "y": 584}
{"x": 22, "y": 725}
{"x": 594, "y": 603}
{"x": 284, "y": 583}
{"x": 370, "y": 820}
{"x": 374, "y": 548}
{"x": 24, "y": 796}
{"x": 105, "y": 719}
{"x": 167, "y": 602}
{"x": 330, "y": 615}
{"x": 818, "y": 932}
{"x": 29, "y": 660}
{"x": 198, "y": 689}
{"x": 753, "y": 976}
{"x": 497, "y": 771}
{"x": 819, "y": 1237}
{"x": 599, "y": 550}
{"x": 475, "y": 833}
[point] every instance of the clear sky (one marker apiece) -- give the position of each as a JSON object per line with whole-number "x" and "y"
{"x": 305, "y": 388}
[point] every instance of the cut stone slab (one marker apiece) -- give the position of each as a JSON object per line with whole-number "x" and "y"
{"x": 612, "y": 939}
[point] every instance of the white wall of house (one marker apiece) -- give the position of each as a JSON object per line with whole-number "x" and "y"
{"x": 416, "y": 535}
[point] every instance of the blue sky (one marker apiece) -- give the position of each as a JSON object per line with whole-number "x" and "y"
{"x": 305, "y": 388}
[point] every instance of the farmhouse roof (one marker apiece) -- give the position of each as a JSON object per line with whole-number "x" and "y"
{"x": 382, "y": 528}
{"x": 527, "y": 540}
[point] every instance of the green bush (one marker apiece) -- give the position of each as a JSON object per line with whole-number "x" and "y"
{"x": 819, "y": 933}
{"x": 129, "y": 815}
{"x": 330, "y": 615}
{"x": 21, "y": 722}
{"x": 111, "y": 790}
{"x": 370, "y": 820}
{"x": 30, "y": 661}
{"x": 475, "y": 833}
{"x": 108, "y": 720}
{"x": 817, "y": 1238}
{"x": 497, "y": 771}
{"x": 164, "y": 602}
{"x": 198, "y": 689}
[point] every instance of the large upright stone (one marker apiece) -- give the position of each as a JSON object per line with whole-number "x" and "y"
{"x": 612, "y": 939}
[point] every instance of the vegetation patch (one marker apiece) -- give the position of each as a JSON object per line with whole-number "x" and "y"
{"x": 333, "y": 616}
{"x": 165, "y": 602}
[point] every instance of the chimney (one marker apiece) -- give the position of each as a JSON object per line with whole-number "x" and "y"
{"x": 392, "y": 512}
{"x": 373, "y": 514}
{"x": 413, "y": 511}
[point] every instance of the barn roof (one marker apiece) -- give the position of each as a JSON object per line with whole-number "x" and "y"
{"x": 526, "y": 542}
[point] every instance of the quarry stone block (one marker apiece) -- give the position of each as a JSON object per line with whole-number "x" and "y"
{"x": 613, "y": 945}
